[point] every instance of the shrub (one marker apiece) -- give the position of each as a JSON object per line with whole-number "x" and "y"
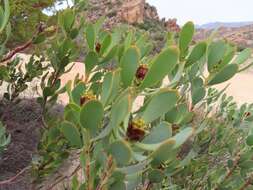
{"x": 169, "y": 141}
{"x": 125, "y": 148}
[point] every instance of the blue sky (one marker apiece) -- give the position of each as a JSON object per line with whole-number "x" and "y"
{"x": 203, "y": 11}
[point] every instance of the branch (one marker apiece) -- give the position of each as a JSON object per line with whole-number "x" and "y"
{"x": 148, "y": 186}
{"x": 16, "y": 50}
{"x": 106, "y": 174}
{"x": 10, "y": 180}
{"x": 63, "y": 178}
{"x": 40, "y": 29}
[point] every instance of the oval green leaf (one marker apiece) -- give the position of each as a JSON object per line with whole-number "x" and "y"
{"x": 121, "y": 152}
{"x": 71, "y": 133}
{"x": 225, "y": 74}
{"x": 197, "y": 53}
{"x": 216, "y": 52}
{"x": 129, "y": 64}
{"x": 161, "y": 66}
{"x": 159, "y": 104}
{"x": 91, "y": 116}
{"x": 185, "y": 38}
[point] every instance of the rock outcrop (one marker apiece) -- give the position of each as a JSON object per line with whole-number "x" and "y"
{"x": 171, "y": 25}
{"x": 132, "y": 11}
{"x": 128, "y": 11}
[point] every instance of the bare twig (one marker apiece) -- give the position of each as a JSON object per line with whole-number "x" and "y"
{"x": 16, "y": 50}
{"x": 87, "y": 170}
{"x": 64, "y": 177}
{"x": 106, "y": 174}
{"x": 40, "y": 29}
{"x": 12, "y": 179}
{"x": 148, "y": 186}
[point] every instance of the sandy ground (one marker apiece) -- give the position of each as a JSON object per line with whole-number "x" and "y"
{"x": 241, "y": 85}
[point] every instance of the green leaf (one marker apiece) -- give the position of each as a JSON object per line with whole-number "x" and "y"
{"x": 110, "y": 87}
{"x": 91, "y": 116}
{"x": 106, "y": 87}
{"x": 161, "y": 66}
{"x": 73, "y": 33}
{"x": 156, "y": 176}
{"x": 132, "y": 169}
{"x": 225, "y": 74}
{"x": 230, "y": 53}
{"x": 118, "y": 185}
{"x": 216, "y": 52}
{"x": 121, "y": 152}
{"x": 1, "y": 15}
{"x": 143, "y": 46}
{"x": 185, "y": 38}
{"x": 39, "y": 39}
{"x": 72, "y": 113}
{"x": 111, "y": 54}
{"x": 105, "y": 44}
{"x": 128, "y": 39}
{"x": 4, "y": 73}
{"x": 77, "y": 92}
{"x": 91, "y": 36}
{"x": 243, "y": 56}
{"x": 198, "y": 91}
{"x": 129, "y": 64}
{"x": 115, "y": 86}
{"x": 6, "y": 15}
{"x": 197, "y": 95}
{"x": 248, "y": 165}
{"x": 120, "y": 109}
{"x": 67, "y": 19}
{"x": 177, "y": 114}
{"x": 159, "y": 104}
{"x": 249, "y": 140}
{"x": 197, "y": 53}
{"x": 164, "y": 152}
{"x": 158, "y": 134}
{"x": 71, "y": 134}
{"x": 170, "y": 39}
{"x": 47, "y": 91}
{"x": 99, "y": 24}
{"x": 91, "y": 60}
{"x": 182, "y": 136}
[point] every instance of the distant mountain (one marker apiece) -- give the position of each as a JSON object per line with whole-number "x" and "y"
{"x": 242, "y": 36}
{"x": 214, "y": 25}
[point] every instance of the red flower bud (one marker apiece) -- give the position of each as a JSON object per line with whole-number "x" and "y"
{"x": 247, "y": 114}
{"x": 87, "y": 97}
{"x": 141, "y": 72}
{"x": 98, "y": 47}
{"x": 135, "y": 131}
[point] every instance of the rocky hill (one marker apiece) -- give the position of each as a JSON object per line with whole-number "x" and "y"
{"x": 213, "y": 25}
{"x": 241, "y": 36}
{"x": 140, "y": 14}
{"x": 136, "y": 12}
